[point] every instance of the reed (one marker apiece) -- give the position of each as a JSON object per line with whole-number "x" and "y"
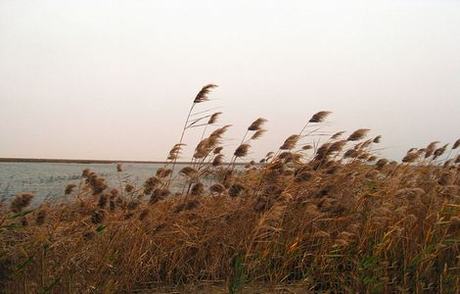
{"x": 202, "y": 96}
{"x": 341, "y": 220}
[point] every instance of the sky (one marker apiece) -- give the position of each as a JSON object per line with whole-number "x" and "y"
{"x": 92, "y": 79}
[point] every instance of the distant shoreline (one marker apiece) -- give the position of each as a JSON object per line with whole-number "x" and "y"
{"x": 89, "y": 161}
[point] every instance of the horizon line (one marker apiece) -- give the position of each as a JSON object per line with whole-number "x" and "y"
{"x": 91, "y": 161}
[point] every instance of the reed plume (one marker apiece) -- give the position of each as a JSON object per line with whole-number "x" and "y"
{"x": 372, "y": 158}
{"x": 440, "y": 151}
{"x": 337, "y": 146}
{"x": 303, "y": 176}
{"x": 207, "y": 145}
{"x": 323, "y": 151}
{"x": 290, "y": 142}
{"x": 242, "y": 150}
{"x": 151, "y": 184}
{"x": 41, "y": 217}
{"x": 98, "y": 216}
{"x": 85, "y": 173}
{"x": 197, "y": 189}
{"x": 217, "y": 150}
{"x": 202, "y": 95}
{"x": 21, "y": 201}
{"x": 337, "y": 135}
{"x": 358, "y": 135}
{"x": 214, "y": 117}
{"x": 217, "y": 188}
{"x": 159, "y": 194}
{"x": 188, "y": 171}
{"x": 102, "y": 201}
{"x": 129, "y": 188}
{"x": 218, "y": 160}
{"x": 69, "y": 189}
{"x": 429, "y": 150}
{"x": 377, "y": 139}
{"x": 175, "y": 151}
{"x": 163, "y": 172}
{"x": 257, "y": 124}
{"x": 319, "y": 116}
{"x": 236, "y": 190}
{"x": 351, "y": 153}
{"x": 411, "y": 157}
{"x": 259, "y": 133}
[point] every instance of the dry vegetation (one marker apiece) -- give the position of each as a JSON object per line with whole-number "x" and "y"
{"x": 331, "y": 217}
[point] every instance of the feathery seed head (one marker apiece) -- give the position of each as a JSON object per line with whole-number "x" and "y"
{"x": 319, "y": 116}
{"x": 217, "y": 150}
{"x": 202, "y": 96}
{"x": 218, "y": 160}
{"x": 242, "y": 150}
{"x": 358, "y": 134}
{"x": 257, "y": 124}
{"x": 188, "y": 172}
{"x": 21, "y": 201}
{"x": 217, "y": 188}
{"x": 69, "y": 189}
{"x": 197, "y": 189}
{"x": 456, "y": 144}
{"x": 290, "y": 142}
{"x": 129, "y": 188}
{"x": 150, "y": 184}
{"x": 258, "y": 134}
{"x": 440, "y": 151}
{"x": 85, "y": 173}
{"x": 98, "y": 216}
{"x": 410, "y": 157}
{"x": 337, "y": 146}
{"x": 236, "y": 189}
{"x": 381, "y": 163}
{"x": 377, "y": 139}
{"x": 337, "y": 135}
{"x": 429, "y": 150}
{"x": 159, "y": 194}
{"x": 41, "y": 216}
{"x": 163, "y": 172}
{"x": 175, "y": 151}
{"x": 213, "y": 118}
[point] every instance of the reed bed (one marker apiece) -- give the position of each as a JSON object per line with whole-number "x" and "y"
{"x": 329, "y": 216}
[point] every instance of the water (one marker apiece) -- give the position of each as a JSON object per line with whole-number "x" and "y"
{"x": 48, "y": 180}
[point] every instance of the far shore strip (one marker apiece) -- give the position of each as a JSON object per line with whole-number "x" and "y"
{"x": 90, "y": 161}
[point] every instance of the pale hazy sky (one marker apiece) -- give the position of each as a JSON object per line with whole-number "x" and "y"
{"x": 114, "y": 79}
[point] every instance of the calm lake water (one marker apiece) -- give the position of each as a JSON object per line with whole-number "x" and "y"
{"x": 48, "y": 180}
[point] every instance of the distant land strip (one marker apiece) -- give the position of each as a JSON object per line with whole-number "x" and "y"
{"x": 91, "y": 161}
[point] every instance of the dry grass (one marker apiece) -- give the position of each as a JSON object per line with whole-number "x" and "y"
{"x": 331, "y": 217}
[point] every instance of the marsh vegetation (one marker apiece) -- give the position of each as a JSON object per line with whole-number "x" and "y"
{"x": 330, "y": 215}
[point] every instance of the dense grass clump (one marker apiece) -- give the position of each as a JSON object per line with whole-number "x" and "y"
{"x": 330, "y": 217}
